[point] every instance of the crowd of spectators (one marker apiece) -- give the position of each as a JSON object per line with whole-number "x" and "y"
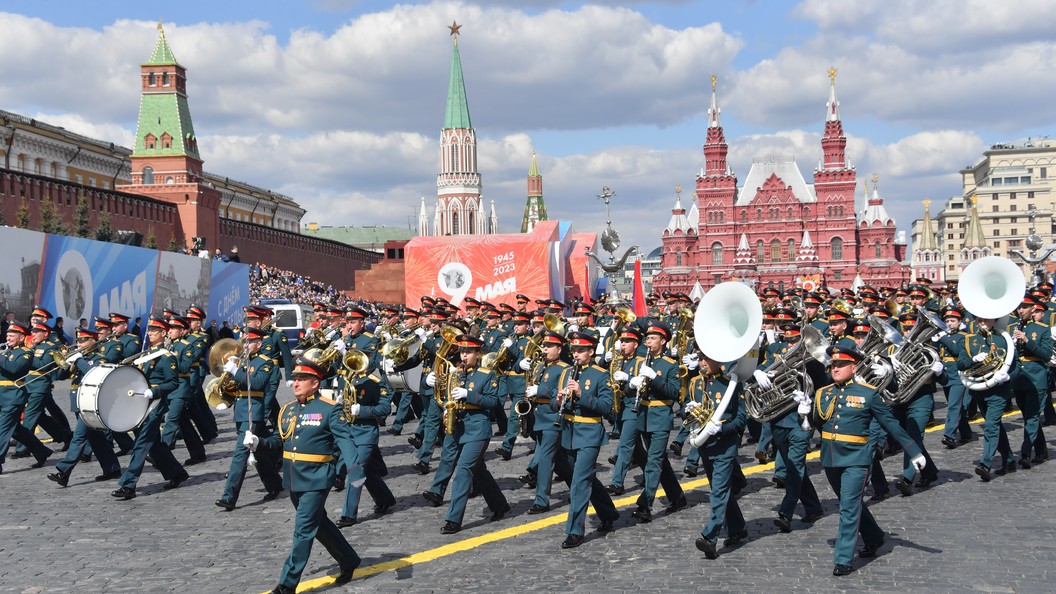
{"x": 268, "y": 282}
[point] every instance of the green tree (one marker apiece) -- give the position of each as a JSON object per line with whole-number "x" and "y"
{"x": 82, "y": 222}
{"x": 174, "y": 243}
{"x": 104, "y": 231}
{"x": 22, "y": 215}
{"x": 51, "y": 220}
{"x": 151, "y": 242}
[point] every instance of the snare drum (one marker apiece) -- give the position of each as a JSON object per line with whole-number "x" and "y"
{"x": 108, "y": 398}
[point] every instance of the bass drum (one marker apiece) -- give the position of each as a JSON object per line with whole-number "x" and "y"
{"x": 108, "y": 398}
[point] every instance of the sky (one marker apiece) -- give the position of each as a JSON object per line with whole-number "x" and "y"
{"x": 339, "y": 103}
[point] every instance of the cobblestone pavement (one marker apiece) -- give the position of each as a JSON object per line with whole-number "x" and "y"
{"x": 959, "y": 535}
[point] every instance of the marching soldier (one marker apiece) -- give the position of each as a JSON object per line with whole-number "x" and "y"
{"x": 310, "y": 430}
{"x": 429, "y": 427}
{"x": 951, "y": 345}
{"x": 995, "y": 395}
{"x": 1030, "y": 379}
{"x": 15, "y": 363}
{"x": 657, "y": 386}
{"x": 494, "y": 338}
{"x": 371, "y": 402}
{"x": 180, "y": 400}
{"x": 250, "y": 403}
{"x": 546, "y": 430}
{"x": 39, "y": 387}
{"x": 719, "y": 454}
{"x": 913, "y": 416}
{"x": 410, "y": 401}
{"x": 77, "y": 366}
{"x": 476, "y": 396}
{"x": 843, "y": 411}
{"x": 515, "y": 380}
{"x": 201, "y": 414}
{"x": 162, "y": 380}
{"x": 585, "y": 394}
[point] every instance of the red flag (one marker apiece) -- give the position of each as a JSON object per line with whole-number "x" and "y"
{"x": 638, "y": 294}
{"x": 586, "y": 284}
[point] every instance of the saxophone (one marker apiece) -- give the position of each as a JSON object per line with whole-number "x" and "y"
{"x": 617, "y": 389}
{"x": 523, "y": 408}
{"x": 453, "y": 408}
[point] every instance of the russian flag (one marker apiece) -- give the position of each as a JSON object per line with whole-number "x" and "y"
{"x": 638, "y": 294}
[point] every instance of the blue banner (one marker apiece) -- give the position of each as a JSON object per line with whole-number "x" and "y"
{"x": 228, "y": 293}
{"x": 82, "y": 278}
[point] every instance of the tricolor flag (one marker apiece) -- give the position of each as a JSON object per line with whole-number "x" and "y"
{"x": 638, "y": 292}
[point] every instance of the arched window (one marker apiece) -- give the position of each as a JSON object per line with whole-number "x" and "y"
{"x": 454, "y": 158}
{"x": 790, "y": 213}
{"x": 716, "y": 253}
{"x": 722, "y": 216}
{"x": 678, "y": 258}
{"x": 164, "y": 79}
{"x": 837, "y": 248}
{"x": 744, "y": 216}
{"x": 791, "y": 250}
{"x": 470, "y": 220}
{"x": 758, "y": 214}
{"x": 148, "y": 176}
{"x": 760, "y": 251}
{"x": 454, "y": 224}
{"x": 151, "y": 81}
{"x": 775, "y": 250}
{"x": 878, "y": 251}
{"x": 711, "y": 217}
{"x": 829, "y": 210}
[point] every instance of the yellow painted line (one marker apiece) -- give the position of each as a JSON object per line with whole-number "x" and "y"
{"x": 558, "y": 518}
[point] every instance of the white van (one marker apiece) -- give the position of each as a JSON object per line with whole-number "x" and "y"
{"x": 293, "y": 320}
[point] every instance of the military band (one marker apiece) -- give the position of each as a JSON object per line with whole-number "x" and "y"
{"x": 547, "y": 379}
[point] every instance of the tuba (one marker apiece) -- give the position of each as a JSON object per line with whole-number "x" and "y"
{"x": 726, "y": 328}
{"x": 991, "y": 288}
{"x": 912, "y": 359}
{"x": 787, "y": 376}
{"x": 882, "y": 337}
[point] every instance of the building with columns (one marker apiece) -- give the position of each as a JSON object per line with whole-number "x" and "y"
{"x": 776, "y": 229}
{"x": 459, "y": 192}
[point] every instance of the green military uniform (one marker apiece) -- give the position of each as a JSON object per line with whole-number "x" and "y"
{"x": 14, "y": 364}
{"x": 1030, "y": 385}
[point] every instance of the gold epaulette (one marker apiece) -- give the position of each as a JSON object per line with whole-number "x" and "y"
{"x": 668, "y": 359}
{"x": 484, "y": 369}
{"x": 870, "y": 386}
{"x": 374, "y": 377}
{"x": 283, "y": 409}
{"x": 817, "y": 394}
{"x": 368, "y": 334}
{"x": 599, "y": 368}
{"x": 562, "y": 364}
{"x": 1042, "y": 324}
{"x": 327, "y": 400}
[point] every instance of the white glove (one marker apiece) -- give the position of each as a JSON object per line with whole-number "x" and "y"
{"x": 420, "y": 332}
{"x": 608, "y": 356}
{"x": 919, "y": 462}
{"x": 387, "y": 365}
{"x": 980, "y": 357}
{"x": 762, "y": 379}
{"x": 636, "y": 382}
{"x": 353, "y": 409}
{"x": 250, "y": 441}
{"x": 878, "y": 370}
{"x": 712, "y": 428}
{"x": 525, "y": 364}
{"x": 459, "y": 393}
{"x": 937, "y": 367}
{"x": 674, "y": 351}
{"x": 647, "y": 371}
{"x": 289, "y": 383}
{"x": 73, "y": 358}
{"x": 938, "y": 336}
{"x": 148, "y": 394}
{"x": 507, "y": 343}
{"x": 1001, "y": 376}
{"x": 531, "y": 391}
{"x": 430, "y": 380}
{"x": 221, "y": 406}
{"x": 691, "y": 361}
{"x": 339, "y": 346}
{"x": 385, "y": 336}
{"x": 803, "y": 408}
{"x": 573, "y": 328}
{"x": 620, "y": 376}
{"x": 799, "y": 396}
{"x": 231, "y": 366}
{"x": 689, "y": 406}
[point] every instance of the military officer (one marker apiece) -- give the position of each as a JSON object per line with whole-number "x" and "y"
{"x": 310, "y": 430}
{"x": 130, "y": 345}
{"x": 515, "y": 379}
{"x": 584, "y": 395}
{"x": 430, "y": 423}
{"x": 15, "y": 363}
{"x": 1030, "y": 379}
{"x": 178, "y": 420}
{"x": 77, "y": 365}
{"x": 951, "y": 343}
{"x": 811, "y": 313}
{"x": 410, "y": 401}
{"x": 201, "y": 415}
{"x": 494, "y": 337}
{"x": 476, "y": 395}
{"x": 718, "y": 452}
{"x": 657, "y": 386}
{"x": 913, "y": 415}
{"x": 843, "y": 411}
{"x": 369, "y": 402}
{"x": 546, "y": 429}
{"x": 162, "y": 378}
{"x": 252, "y": 382}
{"x": 995, "y": 395}
{"x": 39, "y": 387}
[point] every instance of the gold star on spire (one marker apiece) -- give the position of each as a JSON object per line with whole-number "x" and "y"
{"x": 714, "y": 79}
{"x": 832, "y": 75}
{"x": 161, "y": 29}
{"x": 454, "y": 29}
{"x": 927, "y": 202}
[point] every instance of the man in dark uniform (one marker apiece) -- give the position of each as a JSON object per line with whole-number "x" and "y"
{"x": 310, "y": 429}
{"x": 201, "y": 415}
{"x": 77, "y": 365}
{"x": 995, "y": 394}
{"x": 1030, "y": 379}
{"x": 180, "y": 400}
{"x": 951, "y": 345}
{"x": 515, "y": 379}
{"x": 843, "y": 411}
{"x": 39, "y": 387}
{"x": 162, "y": 379}
{"x": 371, "y": 402}
{"x": 250, "y": 403}
{"x": 15, "y": 362}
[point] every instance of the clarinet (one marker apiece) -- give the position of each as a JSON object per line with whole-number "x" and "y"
{"x": 566, "y": 402}
{"x": 642, "y": 388}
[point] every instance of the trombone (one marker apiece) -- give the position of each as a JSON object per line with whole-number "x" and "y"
{"x": 58, "y": 360}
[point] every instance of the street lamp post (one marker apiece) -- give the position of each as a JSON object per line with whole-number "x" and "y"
{"x": 1035, "y": 244}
